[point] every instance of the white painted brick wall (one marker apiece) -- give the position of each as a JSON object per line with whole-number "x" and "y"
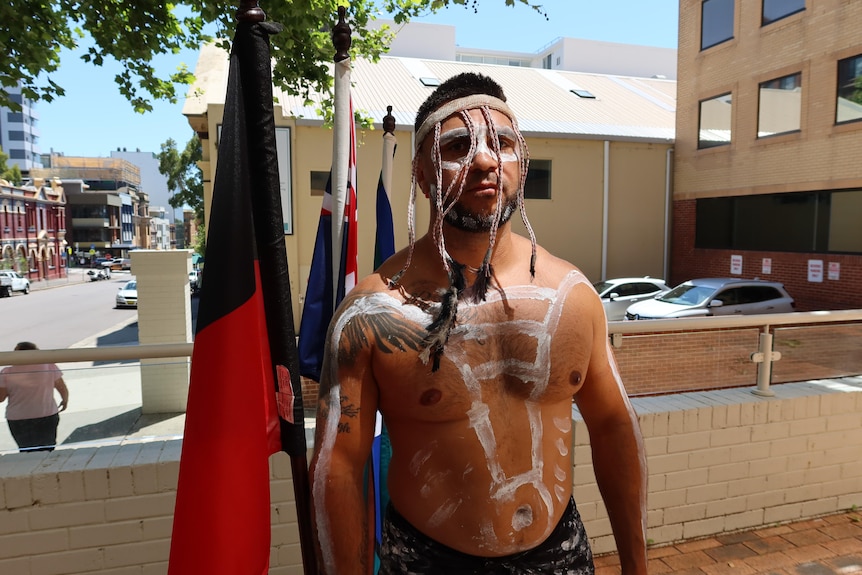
{"x": 108, "y": 510}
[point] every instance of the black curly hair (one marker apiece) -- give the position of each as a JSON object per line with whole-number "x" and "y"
{"x": 459, "y": 86}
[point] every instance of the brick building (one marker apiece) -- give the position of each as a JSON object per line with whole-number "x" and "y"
{"x": 33, "y": 230}
{"x": 768, "y": 151}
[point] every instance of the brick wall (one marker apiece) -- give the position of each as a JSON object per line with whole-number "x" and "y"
{"x": 110, "y": 510}
{"x": 791, "y": 269}
{"x": 660, "y": 363}
{"x": 726, "y": 460}
{"x": 718, "y": 461}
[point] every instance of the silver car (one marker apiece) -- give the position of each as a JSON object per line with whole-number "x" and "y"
{"x": 715, "y": 296}
{"x": 618, "y": 294}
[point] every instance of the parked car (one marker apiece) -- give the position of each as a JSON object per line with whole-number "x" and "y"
{"x": 715, "y": 296}
{"x": 117, "y": 264}
{"x": 618, "y": 294}
{"x": 128, "y": 295}
{"x": 13, "y": 281}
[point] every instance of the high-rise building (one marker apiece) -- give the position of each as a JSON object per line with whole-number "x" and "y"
{"x": 19, "y": 134}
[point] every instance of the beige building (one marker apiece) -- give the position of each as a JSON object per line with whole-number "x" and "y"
{"x": 599, "y": 147}
{"x": 768, "y": 154}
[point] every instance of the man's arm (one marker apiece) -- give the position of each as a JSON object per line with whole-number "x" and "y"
{"x": 619, "y": 459}
{"x": 345, "y": 429}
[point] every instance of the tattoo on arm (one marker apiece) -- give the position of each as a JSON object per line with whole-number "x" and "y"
{"x": 390, "y": 332}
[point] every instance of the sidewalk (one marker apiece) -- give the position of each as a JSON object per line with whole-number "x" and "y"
{"x": 824, "y": 546}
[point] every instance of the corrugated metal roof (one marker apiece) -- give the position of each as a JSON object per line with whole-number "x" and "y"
{"x": 623, "y": 108}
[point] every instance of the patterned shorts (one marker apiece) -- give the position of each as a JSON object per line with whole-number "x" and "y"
{"x": 405, "y": 550}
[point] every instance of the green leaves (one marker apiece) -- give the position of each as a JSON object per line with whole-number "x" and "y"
{"x": 134, "y": 32}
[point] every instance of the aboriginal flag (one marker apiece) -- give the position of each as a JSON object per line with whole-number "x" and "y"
{"x": 245, "y": 401}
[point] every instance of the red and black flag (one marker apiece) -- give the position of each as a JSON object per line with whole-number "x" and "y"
{"x": 245, "y": 401}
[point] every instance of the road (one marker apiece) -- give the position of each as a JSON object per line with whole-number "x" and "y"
{"x": 104, "y": 397}
{"x": 69, "y": 312}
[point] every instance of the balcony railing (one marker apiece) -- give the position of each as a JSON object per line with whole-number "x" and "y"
{"x": 109, "y": 402}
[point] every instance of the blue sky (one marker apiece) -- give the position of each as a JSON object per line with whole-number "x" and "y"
{"x": 93, "y": 119}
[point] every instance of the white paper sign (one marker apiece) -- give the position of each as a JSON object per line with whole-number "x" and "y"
{"x": 736, "y": 264}
{"x": 834, "y": 270}
{"x": 815, "y": 271}
{"x": 767, "y": 266}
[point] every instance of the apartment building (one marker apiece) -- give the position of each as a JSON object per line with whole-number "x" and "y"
{"x": 108, "y": 211}
{"x": 19, "y": 132}
{"x": 768, "y": 152}
{"x": 33, "y": 229}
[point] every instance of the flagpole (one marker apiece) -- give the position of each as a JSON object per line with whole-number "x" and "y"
{"x": 342, "y": 117}
{"x": 275, "y": 281}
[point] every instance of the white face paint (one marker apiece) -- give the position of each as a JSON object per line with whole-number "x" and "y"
{"x": 455, "y": 146}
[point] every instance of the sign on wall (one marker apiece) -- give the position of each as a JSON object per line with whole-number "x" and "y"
{"x": 282, "y": 145}
{"x": 815, "y": 271}
{"x": 736, "y": 264}
{"x": 834, "y": 271}
{"x": 766, "y": 268}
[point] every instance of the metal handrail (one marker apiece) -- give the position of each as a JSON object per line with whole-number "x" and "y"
{"x": 733, "y": 321}
{"x": 763, "y": 357}
{"x": 82, "y": 354}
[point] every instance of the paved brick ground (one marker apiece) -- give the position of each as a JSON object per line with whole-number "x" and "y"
{"x": 824, "y": 546}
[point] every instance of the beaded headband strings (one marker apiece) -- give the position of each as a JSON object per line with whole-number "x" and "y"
{"x": 444, "y": 321}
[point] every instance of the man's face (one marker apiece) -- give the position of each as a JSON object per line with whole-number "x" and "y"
{"x": 476, "y": 208}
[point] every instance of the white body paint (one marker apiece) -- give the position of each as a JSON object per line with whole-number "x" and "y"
{"x": 535, "y": 373}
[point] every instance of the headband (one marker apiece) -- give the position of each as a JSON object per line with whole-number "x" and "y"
{"x": 455, "y": 106}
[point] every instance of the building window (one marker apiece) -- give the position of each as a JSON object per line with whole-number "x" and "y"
{"x": 318, "y": 183}
{"x": 825, "y": 221}
{"x": 547, "y": 62}
{"x": 714, "y": 125}
{"x": 780, "y": 106}
{"x": 716, "y": 22}
{"x": 777, "y": 9}
{"x": 538, "y": 184}
{"x": 849, "y": 107}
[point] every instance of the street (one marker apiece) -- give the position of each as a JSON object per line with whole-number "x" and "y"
{"x": 104, "y": 397}
{"x": 66, "y": 313}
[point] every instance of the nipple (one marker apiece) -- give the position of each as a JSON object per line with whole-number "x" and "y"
{"x": 430, "y": 397}
{"x": 575, "y": 378}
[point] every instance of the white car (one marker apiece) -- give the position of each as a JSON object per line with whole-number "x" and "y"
{"x": 715, "y": 296}
{"x": 13, "y": 281}
{"x": 618, "y": 294}
{"x": 128, "y": 295}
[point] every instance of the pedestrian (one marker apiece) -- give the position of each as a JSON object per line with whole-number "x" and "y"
{"x": 473, "y": 342}
{"x": 32, "y": 413}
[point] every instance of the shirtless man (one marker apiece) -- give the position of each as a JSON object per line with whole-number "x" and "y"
{"x": 472, "y": 343}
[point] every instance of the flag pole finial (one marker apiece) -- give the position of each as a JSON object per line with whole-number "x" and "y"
{"x": 250, "y": 11}
{"x": 341, "y": 36}
{"x": 389, "y": 121}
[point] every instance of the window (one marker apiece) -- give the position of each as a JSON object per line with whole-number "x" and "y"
{"x": 318, "y": 183}
{"x": 777, "y": 9}
{"x": 538, "y": 184}
{"x": 825, "y": 221}
{"x": 546, "y": 64}
{"x": 716, "y": 22}
{"x": 849, "y": 107}
{"x": 714, "y": 125}
{"x": 780, "y": 106}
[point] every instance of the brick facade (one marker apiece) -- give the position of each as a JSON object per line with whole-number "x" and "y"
{"x": 791, "y": 269}
{"x": 822, "y": 155}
